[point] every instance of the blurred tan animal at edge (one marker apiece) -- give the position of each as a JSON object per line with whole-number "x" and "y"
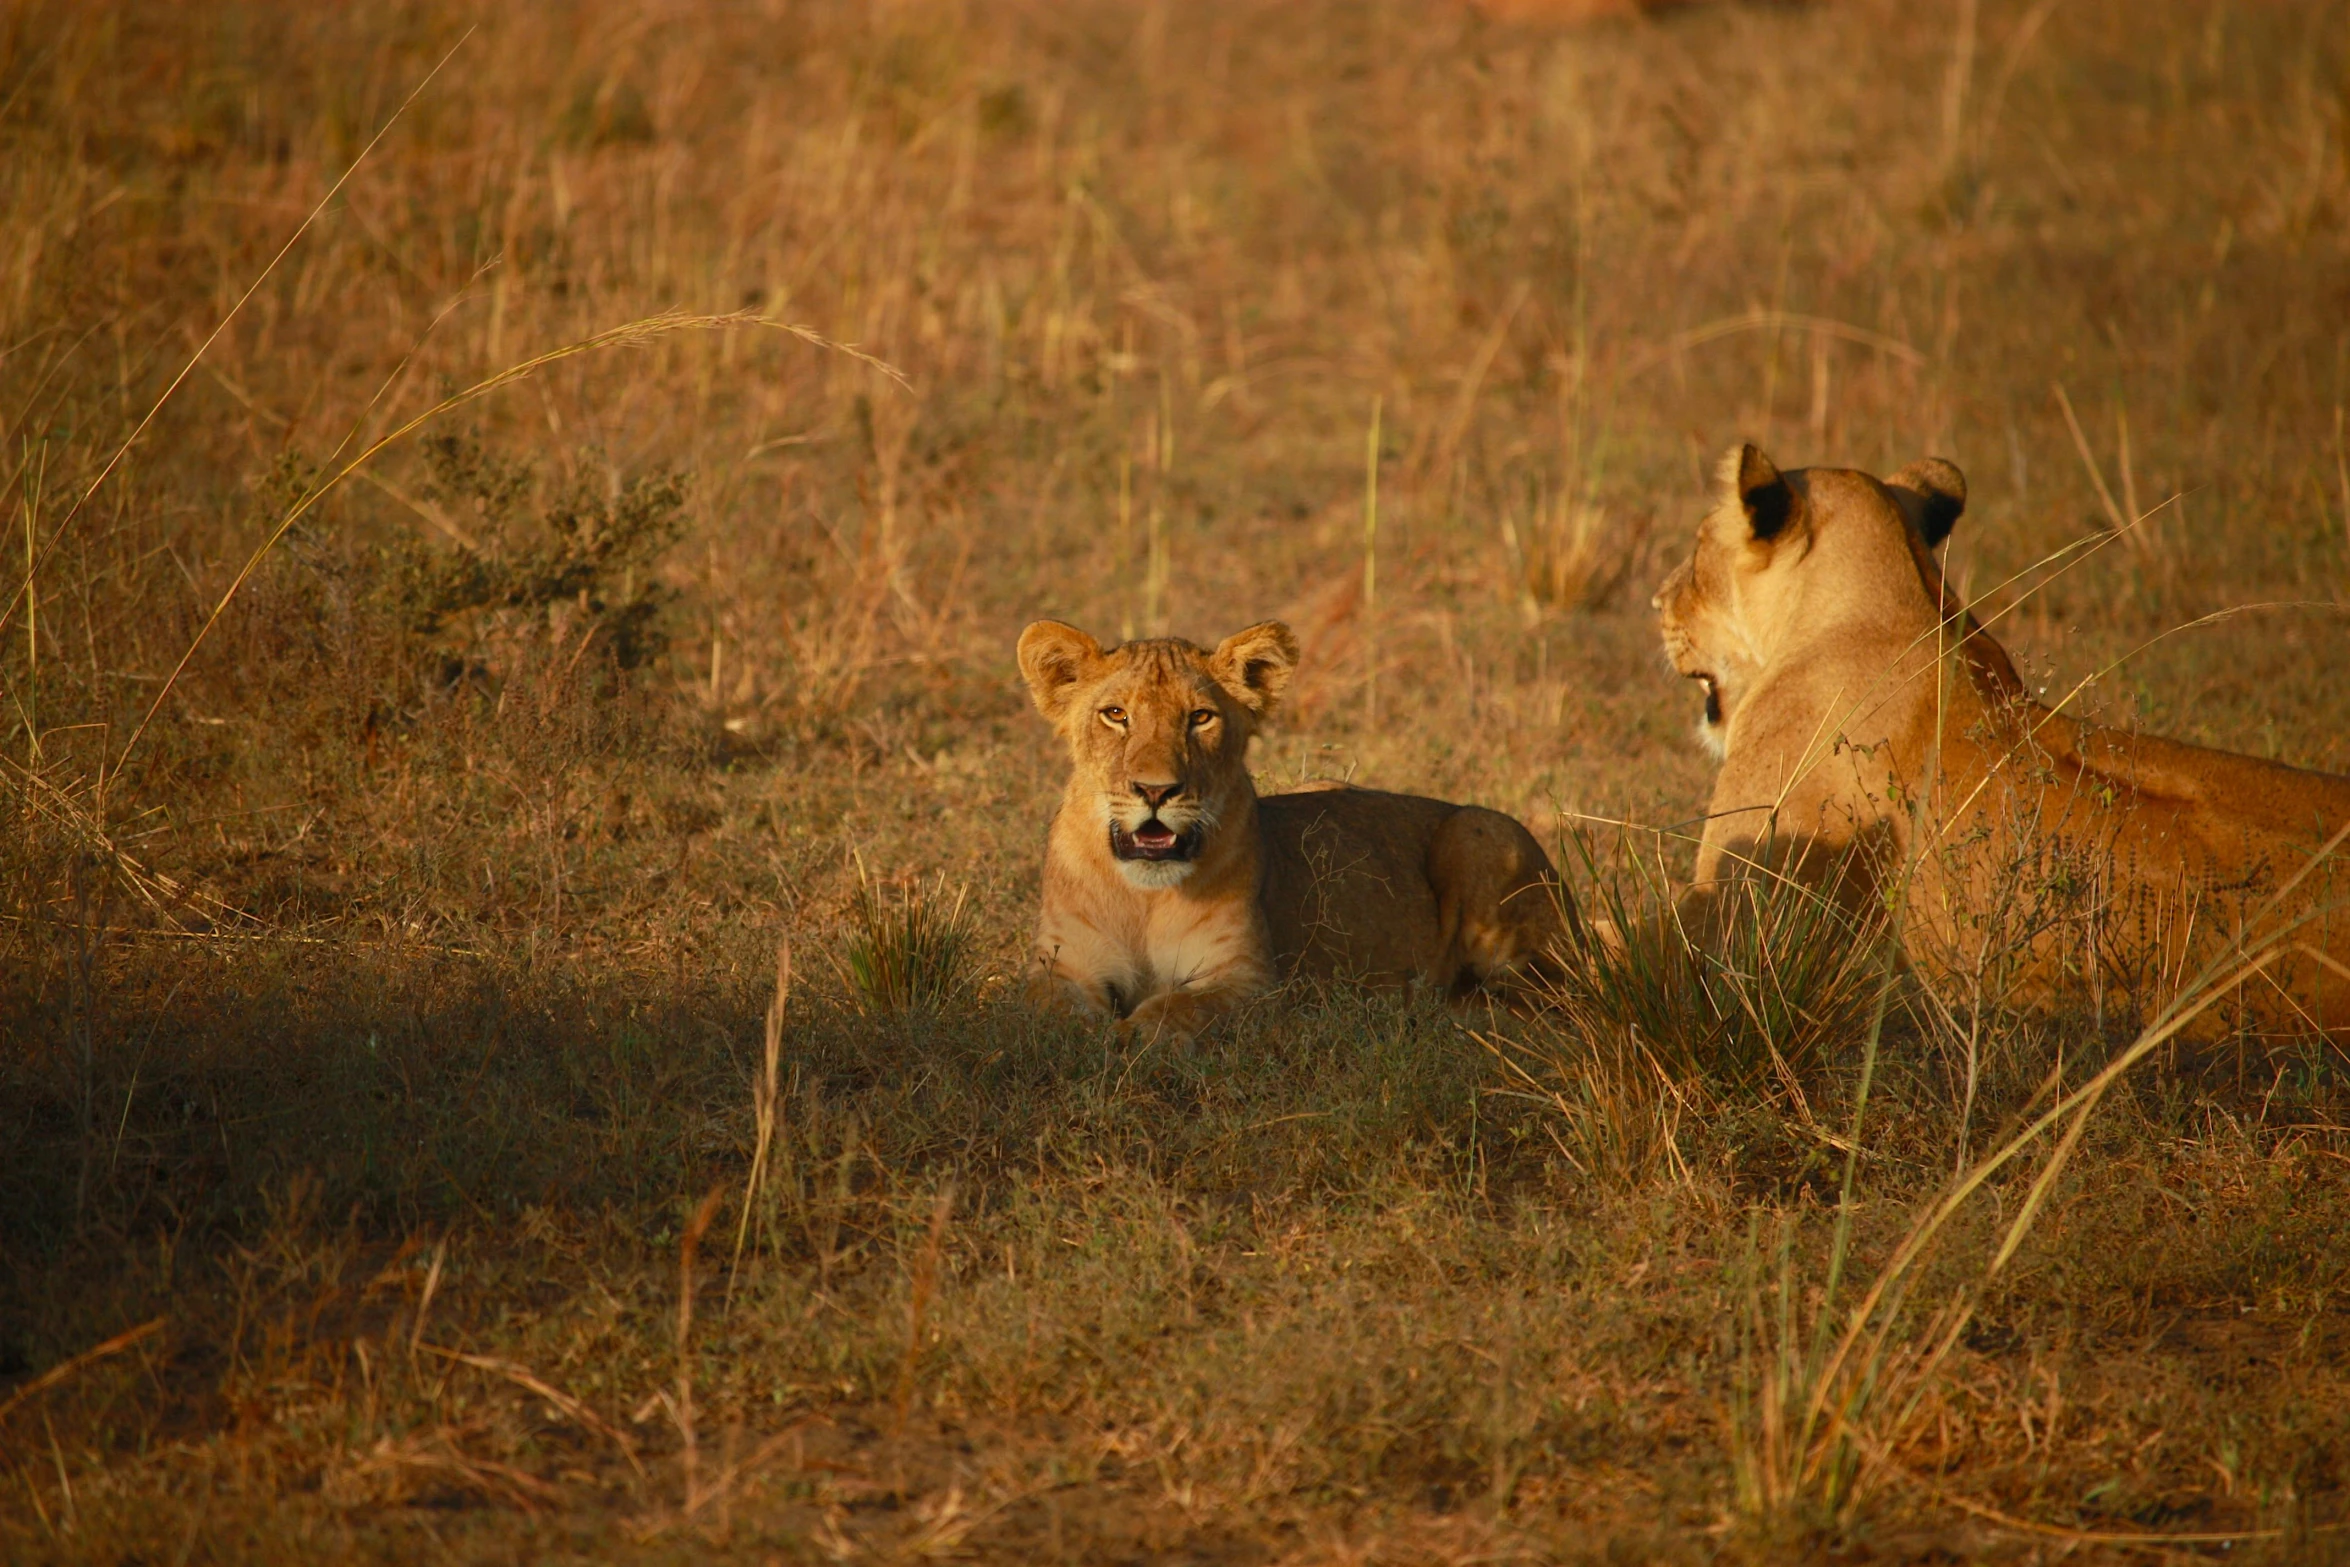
{"x": 1856, "y": 705}
{"x": 1173, "y": 891}
{"x": 1568, "y": 13}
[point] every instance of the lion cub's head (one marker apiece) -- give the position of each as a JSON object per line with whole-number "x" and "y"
{"x": 1787, "y": 557}
{"x": 1158, "y": 731}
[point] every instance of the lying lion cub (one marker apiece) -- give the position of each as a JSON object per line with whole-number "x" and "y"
{"x": 1861, "y": 715}
{"x": 1173, "y": 892}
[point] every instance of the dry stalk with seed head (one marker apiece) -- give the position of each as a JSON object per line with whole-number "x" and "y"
{"x": 530, "y": 1381}
{"x": 1371, "y": 559}
{"x": 432, "y": 1284}
{"x": 764, "y": 1097}
{"x": 67, "y": 1368}
{"x": 925, "y": 1283}
{"x": 681, "y": 1409}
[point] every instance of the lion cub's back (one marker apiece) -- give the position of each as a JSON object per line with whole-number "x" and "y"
{"x": 1346, "y": 891}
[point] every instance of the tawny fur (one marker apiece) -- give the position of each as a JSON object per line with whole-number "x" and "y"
{"x": 1572, "y": 12}
{"x": 1325, "y": 884}
{"x": 1854, "y": 703}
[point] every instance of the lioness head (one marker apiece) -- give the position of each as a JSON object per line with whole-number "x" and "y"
{"x": 1158, "y": 731}
{"x": 1782, "y": 556}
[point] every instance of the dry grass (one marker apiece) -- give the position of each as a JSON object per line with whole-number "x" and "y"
{"x": 379, "y": 1015}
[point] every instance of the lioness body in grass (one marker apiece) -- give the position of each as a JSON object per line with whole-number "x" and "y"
{"x": 1173, "y": 891}
{"x": 1869, "y": 728}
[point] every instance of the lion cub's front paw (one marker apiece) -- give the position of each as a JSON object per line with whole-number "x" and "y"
{"x": 1175, "y": 1017}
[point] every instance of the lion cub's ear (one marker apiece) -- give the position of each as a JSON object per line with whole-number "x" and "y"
{"x": 1255, "y": 665}
{"x": 1762, "y": 492}
{"x": 1055, "y": 659}
{"x": 1933, "y": 492}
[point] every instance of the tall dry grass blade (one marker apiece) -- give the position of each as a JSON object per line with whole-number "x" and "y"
{"x": 1957, "y": 82}
{"x": 2072, "y": 422}
{"x": 1371, "y": 512}
{"x": 30, "y": 706}
{"x": 432, "y": 1285}
{"x": 2342, "y": 472}
{"x": 1158, "y": 564}
{"x": 64, "y": 1370}
{"x": 2205, "y": 991}
{"x": 64, "y": 1479}
{"x": 1371, "y": 561}
{"x": 530, "y": 1381}
{"x": 1464, "y": 403}
{"x": 627, "y": 334}
{"x": 2127, "y": 469}
{"x": 925, "y": 1284}
{"x": 682, "y": 1407}
{"x": 764, "y": 1097}
{"x": 2011, "y": 58}
{"x": 58, "y": 533}
{"x": 1771, "y": 321}
{"x": 1126, "y": 620}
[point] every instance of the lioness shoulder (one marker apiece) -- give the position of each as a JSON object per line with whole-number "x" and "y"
{"x": 1172, "y": 891}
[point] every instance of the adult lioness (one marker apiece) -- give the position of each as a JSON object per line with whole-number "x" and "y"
{"x": 1173, "y": 891}
{"x": 1869, "y": 727}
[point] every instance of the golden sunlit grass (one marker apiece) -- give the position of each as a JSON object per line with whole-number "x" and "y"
{"x": 504, "y": 528}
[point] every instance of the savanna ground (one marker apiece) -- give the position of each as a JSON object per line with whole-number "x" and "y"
{"x": 384, "y": 994}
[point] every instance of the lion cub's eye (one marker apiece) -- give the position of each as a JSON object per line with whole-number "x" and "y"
{"x": 1114, "y": 716}
{"x": 1201, "y": 717}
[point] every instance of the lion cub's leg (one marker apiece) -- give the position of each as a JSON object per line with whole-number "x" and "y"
{"x": 1497, "y": 899}
{"x": 1051, "y": 986}
{"x": 1075, "y": 968}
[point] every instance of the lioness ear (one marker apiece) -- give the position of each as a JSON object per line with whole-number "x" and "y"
{"x": 1933, "y": 492}
{"x": 1255, "y": 665}
{"x": 1054, "y": 658}
{"x": 1762, "y": 491}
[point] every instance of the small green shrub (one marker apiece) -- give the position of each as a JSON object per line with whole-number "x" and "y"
{"x": 912, "y": 953}
{"x": 581, "y": 563}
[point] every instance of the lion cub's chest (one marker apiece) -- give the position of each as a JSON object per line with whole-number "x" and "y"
{"x": 1177, "y": 942}
{"x": 1128, "y": 945}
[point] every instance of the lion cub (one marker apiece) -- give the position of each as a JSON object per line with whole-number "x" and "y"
{"x": 1172, "y": 891}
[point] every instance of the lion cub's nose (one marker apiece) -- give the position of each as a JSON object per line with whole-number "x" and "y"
{"x": 1155, "y": 795}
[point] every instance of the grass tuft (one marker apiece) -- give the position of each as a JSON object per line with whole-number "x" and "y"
{"x": 1782, "y": 976}
{"x": 910, "y": 953}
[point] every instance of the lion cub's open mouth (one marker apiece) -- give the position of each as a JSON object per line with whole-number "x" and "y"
{"x": 1153, "y": 840}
